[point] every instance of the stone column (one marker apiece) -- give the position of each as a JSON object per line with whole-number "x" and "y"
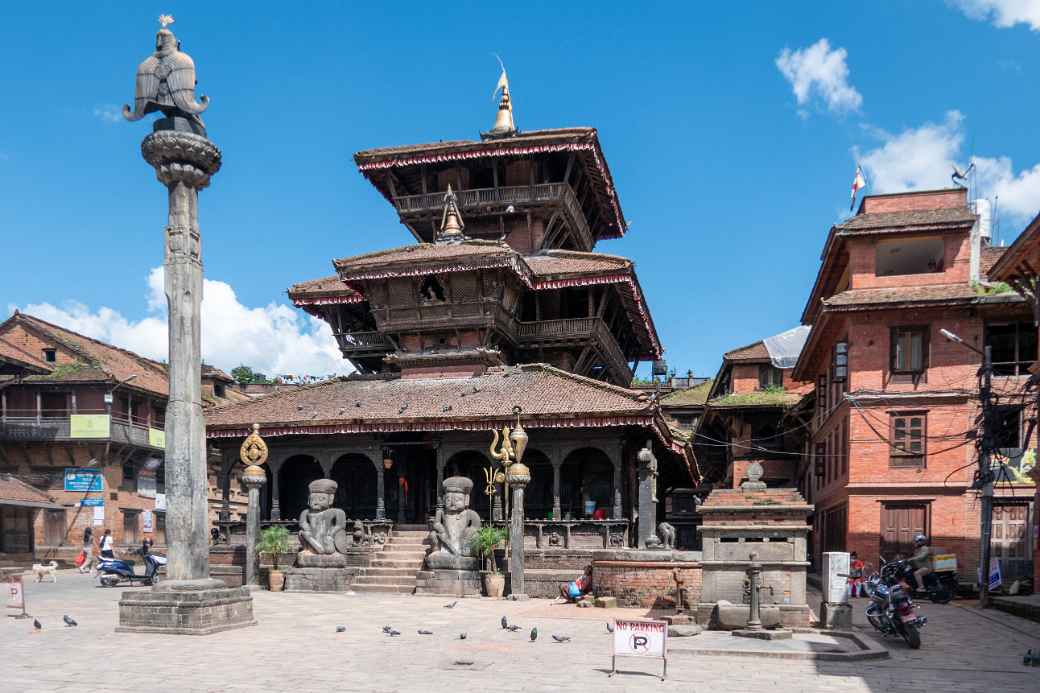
{"x": 253, "y": 477}
{"x": 616, "y": 514}
{"x": 184, "y": 162}
{"x": 557, "y": 509}
{"x": 276, "y": 509}
{"x": 517, "y": 476}
{"x": 647, "y": 469}
{"x": 441, "y": 462}
{"x": 380, "y": 491}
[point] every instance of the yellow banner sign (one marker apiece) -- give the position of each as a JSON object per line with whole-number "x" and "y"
{"x": 88, "y": 426}
{"x": 157, "y": 438}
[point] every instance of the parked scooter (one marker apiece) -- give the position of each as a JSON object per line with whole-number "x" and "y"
{"x": 940, "y": 585}
{"x": 891, "y": 609}
{"x": 115, "y": 571}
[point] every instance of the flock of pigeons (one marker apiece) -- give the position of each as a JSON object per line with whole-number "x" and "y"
{"x": 69, "y": 623}
{"x": 506, "y": 625}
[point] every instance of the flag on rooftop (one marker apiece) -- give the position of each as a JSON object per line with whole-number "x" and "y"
{"x": 858, "y": 183}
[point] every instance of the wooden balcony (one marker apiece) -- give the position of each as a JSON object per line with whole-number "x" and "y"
{"x": 103, "y": 428}
{"x": 487, "y": 201}
{"x": 571, "y": 330}
{"x": 358, "y": 344}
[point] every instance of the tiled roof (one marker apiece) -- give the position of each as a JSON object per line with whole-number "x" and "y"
{"x": 759, "y": 398}
{"x": 11, "y": 353}
{"x": 209, "y": 371}
{"x": 305, "y": 292}
{"x": 926, "y": 218}
{"x": 14, "y": 491}
{"x": 989, "y": 257}
{"x": 752, "y": 352}
{"x": 425, "y": 258}
{"x": 528, "y": 137}
{"x": 689, "y": 397}
{"x": 902, "y": 294}
{"x": 99, "y": 359}
{"x": 543, "y": 391}
{"x": 1020, "y": 256}
{"x": 728, "y": 498}
{"x": 564, "y": 263}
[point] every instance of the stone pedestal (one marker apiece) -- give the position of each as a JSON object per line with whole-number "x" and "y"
{"x": 320, "y": 573}
{"x": 767, "y": 522}
{"x": 836, "y": 616}
{"x": 458, "y": 583}
{"x": 646, "y": 579}
{"x": 518, "y": 476}
{"x": 198, "y": 607}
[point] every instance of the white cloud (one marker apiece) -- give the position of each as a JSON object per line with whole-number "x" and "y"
{"x": 108, "y": 113}
{"x": 818, "y": 70}
{"x": 924, "y": 157}
{"x": 274, "y": 339}
{"x": 1003, "y": 13}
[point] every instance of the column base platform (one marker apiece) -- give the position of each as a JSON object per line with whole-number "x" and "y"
{"x": 186, "y": 607}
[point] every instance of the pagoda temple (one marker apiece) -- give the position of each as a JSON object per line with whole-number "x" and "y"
{"x": 501, "y": 302}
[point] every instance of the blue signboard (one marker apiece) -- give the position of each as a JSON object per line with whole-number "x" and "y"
{"x": 83, "y": 479}
{"x": 92, "y": 502}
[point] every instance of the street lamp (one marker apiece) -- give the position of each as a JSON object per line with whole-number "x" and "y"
{"x": 985, "y": 479}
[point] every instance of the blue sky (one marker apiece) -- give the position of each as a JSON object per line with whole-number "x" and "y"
{"x": 732, "y": 157}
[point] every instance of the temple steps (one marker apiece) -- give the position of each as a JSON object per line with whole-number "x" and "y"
{"x": 394, "y": 567}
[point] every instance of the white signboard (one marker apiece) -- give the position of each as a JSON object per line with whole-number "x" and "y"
{"x": 15, "y": 595}
{"x": 146, "y": 521}
{"x": 160, "y": 501}
{"x": 99, "y": 515}
{"x": 639, "y": 638}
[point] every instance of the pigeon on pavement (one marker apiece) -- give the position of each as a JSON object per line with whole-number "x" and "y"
{"x": 452, "y": 605}
{"x": 561, "y": 638}
{"x": 425, "y": 632}
{"x": 462, "y": 636}
{"x": 341, "y": 629}
{"x": 393, "y": 633}
{"x": 610, "y": 627}
{"x": 37, "y": 625}
{"x": 505, "y": 623}
{"x": 513, "y": 627}
{"x": 69, "y": 621}
{"x": 534, "y": 634}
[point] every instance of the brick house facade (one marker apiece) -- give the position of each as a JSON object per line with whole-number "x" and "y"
{"x": 72, "y": 404}
{"x": 892, "y": 449}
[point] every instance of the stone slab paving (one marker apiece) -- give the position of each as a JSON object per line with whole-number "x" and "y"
{"x": 295, "y": 647}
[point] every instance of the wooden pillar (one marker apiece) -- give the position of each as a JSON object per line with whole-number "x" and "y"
{"x": 557, "y": 463}
{"x": 441, "y": 462}
{"x": 39, "y": 406}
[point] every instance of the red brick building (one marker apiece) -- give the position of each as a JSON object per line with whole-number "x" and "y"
{"x": 892, "y": 451}
{"x": 1020, "y": 267}
{"x": 82, "y": 423}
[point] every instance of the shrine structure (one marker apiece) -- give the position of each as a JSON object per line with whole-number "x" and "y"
{"x": 501, "y": 302}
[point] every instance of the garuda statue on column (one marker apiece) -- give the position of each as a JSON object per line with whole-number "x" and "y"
{"x": 166, "y": 82}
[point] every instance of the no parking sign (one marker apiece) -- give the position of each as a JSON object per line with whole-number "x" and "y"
{"x": 639, "y": 638}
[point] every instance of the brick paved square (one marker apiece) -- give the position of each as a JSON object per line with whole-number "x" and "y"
{"x": 295, "y": 647}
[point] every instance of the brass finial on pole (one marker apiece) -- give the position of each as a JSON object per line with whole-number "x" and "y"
{"x": 451, "y": 219}
{"x": 504, "y": 126}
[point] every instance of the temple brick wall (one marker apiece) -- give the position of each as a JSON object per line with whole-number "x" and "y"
{"x": 645, "y": 584}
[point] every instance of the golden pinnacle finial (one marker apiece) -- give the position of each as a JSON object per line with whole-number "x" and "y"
{"x": 254, "y": 449}
{"x": 165, "y": 20}
{"x": 451, "y": 219}
{"x": 504, "y": 124}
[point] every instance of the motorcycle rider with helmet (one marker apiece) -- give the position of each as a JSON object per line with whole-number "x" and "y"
{"x": 921, "y": 561}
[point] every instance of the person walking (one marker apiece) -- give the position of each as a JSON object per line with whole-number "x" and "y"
{"x": 88, "y": 551}
{"x": 107, "y": 544}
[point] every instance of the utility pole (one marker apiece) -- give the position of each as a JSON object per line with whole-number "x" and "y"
{"x": 985, "y": 480}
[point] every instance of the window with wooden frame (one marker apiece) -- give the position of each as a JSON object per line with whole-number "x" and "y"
{"x": 769, "y": 376}
{"x": 821, "y": 394}
{"x": 908, "y": 431}
{"x": 909, "y": 352}
{"x": 821, "y": 452}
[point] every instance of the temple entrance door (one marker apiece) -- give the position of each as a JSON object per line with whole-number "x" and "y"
{"x": 355, "y": 477}
{"x": 407, "y": 482}
{"x": 471, "y": 464}
{"x": 296, "y": 474}
{"x": 587, "y": 476}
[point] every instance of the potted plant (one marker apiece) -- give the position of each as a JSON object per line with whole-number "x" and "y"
{"x": 274, "y": 541}
{"x": 484, "y": 543}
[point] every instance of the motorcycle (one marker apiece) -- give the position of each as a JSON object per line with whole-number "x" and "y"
{"x": 891, "y": 610}
{"x": 115, "y": 571}
{"x": 939, "y": 585}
